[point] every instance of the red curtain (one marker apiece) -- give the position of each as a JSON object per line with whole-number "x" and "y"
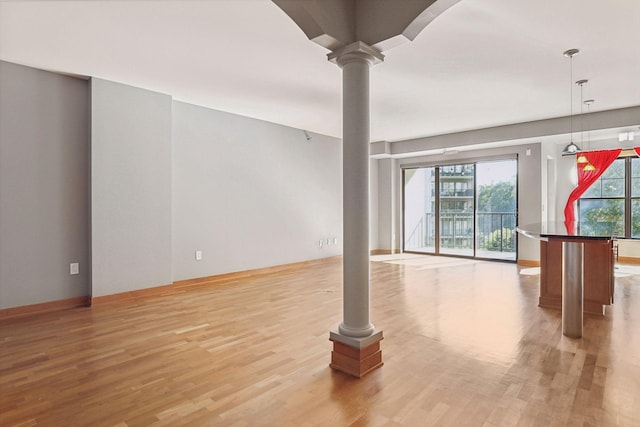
{"x": 601, "y": 159}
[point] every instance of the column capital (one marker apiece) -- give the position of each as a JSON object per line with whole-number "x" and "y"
{"x": 356, "y": 52}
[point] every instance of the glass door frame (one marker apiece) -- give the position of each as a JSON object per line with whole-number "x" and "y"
{"x": 455, "y": 180}
{"x": 436, "y": 166}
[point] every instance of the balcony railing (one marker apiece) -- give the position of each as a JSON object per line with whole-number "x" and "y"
{"x": 494, "y": 231}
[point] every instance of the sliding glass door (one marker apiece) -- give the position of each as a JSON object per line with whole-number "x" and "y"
{"x": 466, "y": 209}
{"x": 419, "y": 210}
{"x": 496, "y": 209}
{"x": 456, "y": 209}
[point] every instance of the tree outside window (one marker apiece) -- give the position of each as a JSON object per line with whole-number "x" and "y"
{"x": 612, "y": 199}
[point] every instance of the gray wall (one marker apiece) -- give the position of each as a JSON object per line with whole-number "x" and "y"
{"x": 44, "y": 186}
{"x": 131, "y": 188}
{"x": 250, "y": 194}
{"x": 86, "y": 176}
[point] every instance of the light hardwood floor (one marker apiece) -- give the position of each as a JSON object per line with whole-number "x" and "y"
{"x": 465, "y": 344}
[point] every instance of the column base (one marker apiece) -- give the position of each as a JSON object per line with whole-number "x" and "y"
{"x": 356, "y": 356}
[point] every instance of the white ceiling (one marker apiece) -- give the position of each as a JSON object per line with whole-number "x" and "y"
{"x": 480, "y": 64}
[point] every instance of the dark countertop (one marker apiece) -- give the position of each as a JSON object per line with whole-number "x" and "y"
{"x": 561, "y": 229}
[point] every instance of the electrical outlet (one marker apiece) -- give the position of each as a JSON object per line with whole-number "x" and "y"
{"x": 320, "y": 242}
{"x": 198, "y": 255}
{"x": 74, "y": 268}
{"x": 335, "y": 240}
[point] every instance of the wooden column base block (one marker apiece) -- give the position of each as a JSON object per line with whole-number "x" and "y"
{"x": 356, "y": 361}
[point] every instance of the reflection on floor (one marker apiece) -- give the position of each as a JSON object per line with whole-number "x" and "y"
{"x": 467, "y": 252}
{"x": 530, "y": 271}
{"x": 423, "y": 262}
{"x": 465, "y": 345}
{"x": 624, "y": 270}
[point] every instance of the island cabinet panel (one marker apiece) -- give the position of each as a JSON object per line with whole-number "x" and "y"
{"x": 599, "y": 264}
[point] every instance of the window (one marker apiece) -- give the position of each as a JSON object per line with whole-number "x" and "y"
{"x": 441, "y": 215}
{"x": 447, "y": 189}
{"x": 635, "y": 197}
{"x": 614, "y": 200}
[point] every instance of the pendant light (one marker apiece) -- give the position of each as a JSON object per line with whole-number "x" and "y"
{"x": 582, "y": 158}
{"x": 571, "y": 148}
{"x": 588, "y": 166}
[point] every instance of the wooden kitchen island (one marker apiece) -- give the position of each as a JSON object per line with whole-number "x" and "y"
{"x": 576, "y": 270}
{"x": 599, "y": 263}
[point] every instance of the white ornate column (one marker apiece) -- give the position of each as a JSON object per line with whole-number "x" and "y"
{"x": 356, "y": 341}
{"x": 356, "y": 33}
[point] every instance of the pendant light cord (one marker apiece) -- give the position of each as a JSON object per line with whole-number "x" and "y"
{"x": 581, "y": 83}
{"x": 589, "y": 102}
{"x": 571, "y": 96}
{"x": 571, "y": 148}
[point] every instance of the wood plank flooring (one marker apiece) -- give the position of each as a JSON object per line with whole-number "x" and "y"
{"x": 465, "y": 345}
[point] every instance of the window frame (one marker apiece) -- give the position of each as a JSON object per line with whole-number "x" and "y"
{"x": 626, "y": 197}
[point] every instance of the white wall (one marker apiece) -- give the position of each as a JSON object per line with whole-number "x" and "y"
{"x": 629, "y": 248}
{"x": 131, "y": 188}
{"x": 416, "y": 201}
{"x": 566, "y": 181}
{"x": 373, "y": 204}
{"x": 44, "y": 191}
{"x": 251, "y": 194}
{"x": 387, "y": 232}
